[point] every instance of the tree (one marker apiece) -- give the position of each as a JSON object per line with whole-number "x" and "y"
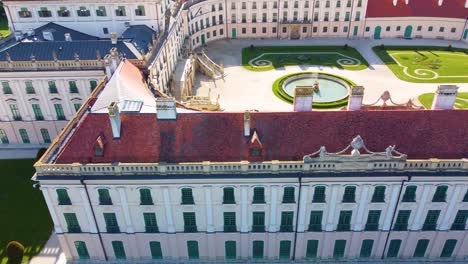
{"x": 15, "y": 252}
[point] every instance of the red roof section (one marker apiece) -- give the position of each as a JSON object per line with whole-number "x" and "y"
{"x": 417, "y": 8}
{"x": 219, "y": 137}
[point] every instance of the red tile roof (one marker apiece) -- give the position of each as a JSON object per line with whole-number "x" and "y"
{"x": 284, "y": 136}
{"x": 417, "y": 8}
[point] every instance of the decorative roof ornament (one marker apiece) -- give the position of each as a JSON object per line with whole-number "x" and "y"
{"x": 8, "y": 57}
{"x": 387, "y": 102}
{"x": 33, "y": 58}
{"x": 76, "y": 56}
{"x": 54, "y": 55}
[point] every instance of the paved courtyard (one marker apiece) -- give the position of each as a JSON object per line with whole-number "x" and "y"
{"x": 242, "y": 89}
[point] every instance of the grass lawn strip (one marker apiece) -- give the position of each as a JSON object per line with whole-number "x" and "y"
{"x": 460, "y": 103}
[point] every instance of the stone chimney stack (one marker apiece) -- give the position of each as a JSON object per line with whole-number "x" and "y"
{"x": 303, "y": 98}
{"x": 355, "y": 98}
{"x": 166, "y": 109}
{"x": 113, "y": 38}
{"x": 247, "y": 124}
{"x": 68, "y": 37}
{"x": 444, "y": 98}
{"x": 114, "y": 117}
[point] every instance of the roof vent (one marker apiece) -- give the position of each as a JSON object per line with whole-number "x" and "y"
{"x": 246, "y": 124}
{"x": 47, "y": 35}
{"x": 166, "y": 109}
{"x": 68, "y": 37}
{"x": 114, "y": 117}
{"x": 303, "y": 98}
{"x": 355, "y": 98}
{"x": 445, "y": 97}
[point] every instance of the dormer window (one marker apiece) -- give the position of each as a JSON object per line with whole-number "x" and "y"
{"x": 24, "y": 12}
{"x": 63, "y": 12}
{"x": 44, "y": 12}
{"x": 255, "y": 152}
{"x": 83, "y": 12}
{"x": 99, "y": 147}
{"x": 255, "y": 146}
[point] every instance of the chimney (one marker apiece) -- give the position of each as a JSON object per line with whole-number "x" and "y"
{"x": 68, "y": 37}
{"x": 113, "y": 38}
{"x": 114, "y": 117}
{"x": 444, "y": 98}
{"x": 355, "y": 98}
{"x": 47, "y": 35}
{"x": 166, "y": 109}
{"x": 395, "y": 2}
{"x": 303, "y": 98}
{"x": 441, "y": 2}
{"x": 466, "y": 5}
{"x": 247, "y": 124}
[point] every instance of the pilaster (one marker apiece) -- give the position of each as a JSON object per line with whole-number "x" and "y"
{"x": 419, "y": 218}
{"x": 358, "y": 226}
{"x": 53, "y": 214}
{"x": 331, "y": 210}
{"x": 445, "y": 225}
{"x": 391, "y": 208}
{"x": 302, "y": 209}
{"x": 126, "y": 211}
{"x": 209, "y": 209}
{"x": 89, "y": 213}
{"x": 168, "y": 209}
{"x": 244, "y": 211}
{"x": 273, "y": 201}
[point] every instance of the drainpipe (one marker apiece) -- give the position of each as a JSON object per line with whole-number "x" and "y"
{"x": 297, "y": 217}
{"x": 94, "y": 217}
{"x": 227, "y": 20}
{"x": 393, "y": 215}
{"x": 463, "y": 30}
{"x": 350, "y": 18}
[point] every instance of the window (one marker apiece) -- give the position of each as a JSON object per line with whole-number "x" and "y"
{"x": 101, "y": 11}
{"x": 312, "y": 248}
{"x": 59, "y": 112}
{"x": 72, "y": 86}
{"x": 254, "y": 31}
{"x": 62, "y": 197}
{"x": 349, "y": 195}
{"x": 359, "y": 3}
{"x": 453, "y": 30}
{"x": 338, "y": 3}
{"x": 431, "y": 220}
{"x": 345, "y": 29}
{"x": 264, "y": 30}
{"x": 319, "y": 194}
{"x": 104, "y": 197}
{"x": 388, "y": 28}
{"x": 401, "y": 222}
{"x": 254, "y": 5}
{"x": 317, "y": 4}
{"x": 83, "y": 12}
{"x": 24, "y": 136}
{"x": 230, "y": 222}
{"x": 230, "y": 249}
{"x": 92, "y": 85}
{"x": 140, "y": 11}
{"x": 284, "y": 30}
{"x": 6, "y": 88}
{"x": 190, "y": 222}
{"x": 419, "y": 28}
{"x": 105, "y": 30}
{"x": 24, "y": 13}
{"x": 326, "y": 17}
{"x": 151, "y": 225}
{"x": 398, "y": 28}
{"x": 285, "y": 249}
{"x": 325, "y": 29}
{"x": 285, "y": 4}
{"x": 337, "y": 16}
{"x": 393, "y": 248}
{"x": 440, "y": 194}
{"x": 275, "y": 17}
{"x": 145, "y": 197}
{"x": 192, "y": 249}
{"x": 339, "y": 249}
{"x": 358, "y": 16}
{"x": 220, "y": 7}
{"x": 220, "y": 18}
{"x": 257, "y": 249}
{"x": 367, "y": 29}
{"x": 315, "y": 222}
{"x": 258, "y": 195}
{"x": 254, "y": 18}
{"x": 119, "y": 250}
{"x": 44, "y": 12}
{"x": 347, "y": 15}
{"x": 448, "y": 248}
{"x": 410, "y": 194}
{"x": 29, "y": 87}
{"x": 273, "y": 30}
{"x": 77, "y": 107}
{"x": 72, "y": 223}
{"x": 430, "y": 28}
{"x": 45, "y": 135}
{"x": 460, "y": 220}
{"x": 15, "y": 112}
{"x": 81, "y": 250}
{"x": 379, "y": 195}
{"x": 316, "y": 16}
{"x": 112, "y": 225}
{"x": 264, "y": 5}
{"x": 233, "y": 6}
{"x": 344, "y": 222}
{"x": 120, "y": 11}
{"x": 233, "y": 19}
{"x": 373, "y": 218}
{"x": 327, "y": 4}
{"x": 465, "y": 198}
{"x": 258, "y": 222}
{"x": 244, "y": 5}
{"x": 187, "y": 196}
{"x": 155, "y": 248}
{"x": 244, "y": 30}
{"x": 52, "y": 87}
{"x": 4, "y": 137}
{"x": 335, "y": 29}
{"x": 366, "y": 248}
{"x": 421, "y": 248}
{"x": 37, "y": 112}
{"x": 288, "y": 195}
{"x": 286, "y": 221}
{"x": 441, "y": 29}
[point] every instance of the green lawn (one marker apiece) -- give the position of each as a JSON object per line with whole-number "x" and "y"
{"x": 460, "y": 103}
{"x": 268, "y": 58}
{"x": 426, "y": 64}
{"x": 3, "y": 23}
{"x": 24, "y": 214}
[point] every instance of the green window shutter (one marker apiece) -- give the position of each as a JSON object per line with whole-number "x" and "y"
{"x": 155, "y": 248}
{"x": 92, "y": 85}
{"x": 373, "y": 219}
{"x": 421, "y": 248}
{"x": 285, "y": 249}
{"x": 192, "y": 249}
{"x": 104, "y": 197}
{"x": 286, "y": 221}
{"x": 151, "y": 225}
{"x": 230, "y": 249}
{"x": 145, "y": 197}
{"x": 82, "y": 250}
{"x": 190, "y": 222}
{"x": 62, "y": 197}
{"x": 379, "y": 194}
{"x": 15, "y": 112}
{"x": 344, "y": 222}
{"x": 37, "y": 112}
{"x": 4, "y": 137}
{"x": 59, "y": 111}
{"x": 288, "y": 195}
{"x": 258, "y": 222}
{"x": 448, "y": 248}
{"x": 6, "y": 88}
{"x": 257, "y": 249}
{"x": 366, "y": 248}
{"x": 73, "y": 88}
{"x": 319, "y": 194}
{"x": 228, "y": 196}
{"x": 431, "y": 220}
{"x": 77, "y": 107}
{"x": 339, "y": 249}
{"x": 119, "y": 250}
{"x": 312, "y": 248}
{"x": 393, "y": 248}
{"x": 401, "y": 223}
{"x": 45, "y": 135}
{"x": 187, "y": 196}
{"x": 52, "y": 87}
{"x": 460, "y": 220}
{"x": 465, "y": 198}
{"x": 410, "y": 194}
{"x": 72, "y": 223}
{"x": 230, "y": 222}
{"x": 349, "y": 195}
{"x": 440, "y": 194}
{"x": 315, "y": 222}
{"x": 111, "y": 223}
{"x": 259, "y": 195}
{"x": 24, "y": 136}
{"x": 29, "y": 87}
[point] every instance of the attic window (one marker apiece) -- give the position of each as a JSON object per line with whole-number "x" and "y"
{"x": 255, "y": 152}
{"x": 99, "y": 147}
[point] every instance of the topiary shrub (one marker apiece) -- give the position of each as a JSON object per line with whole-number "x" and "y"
{"x": 345, "y": 46}
{"x": 449, "y": 47}
{"x": 15, "y": 252}
{"x": 252, "y": 47}
{"x": 382, "y": 46}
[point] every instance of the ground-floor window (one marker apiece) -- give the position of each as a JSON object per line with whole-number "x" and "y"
{"x": 325, "y": 29}
{"x": 257, "y": 249}
{"x": 273, "y": 30}
{"x": 366, "y": 248}
{"x": 448, "y": 248}
{"x": 304, "y": 29}
{"x": 339, "y": 249}
{"x": 230, "y": 249}
{"x": 254, "y": 30}
{"x": 419, "y": 28}
{"x": 314, "y": 29}
{"x": 285, "y": 249}
{"x": 345, "y": 29}
{"x": 4, "y": 137}
{"x": 221, "y": 32}
{"x": 285, "y": 30}
{"x": 264, "y": 30}
{"x": 367, "y": 29}
{"x": 244, "y": 30}
{"x": 393, "y": 248}
{"x": 192, "y": 250}
{"x": 388, "y": 28}
{"x": 398, "y": 28}
{"x": 312, "y": 248}
{"x": 155, "y": 248}
{"x": 82, "y": 250}
{"x": 421, "y": 248}
{"x": 119, "y": 250}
